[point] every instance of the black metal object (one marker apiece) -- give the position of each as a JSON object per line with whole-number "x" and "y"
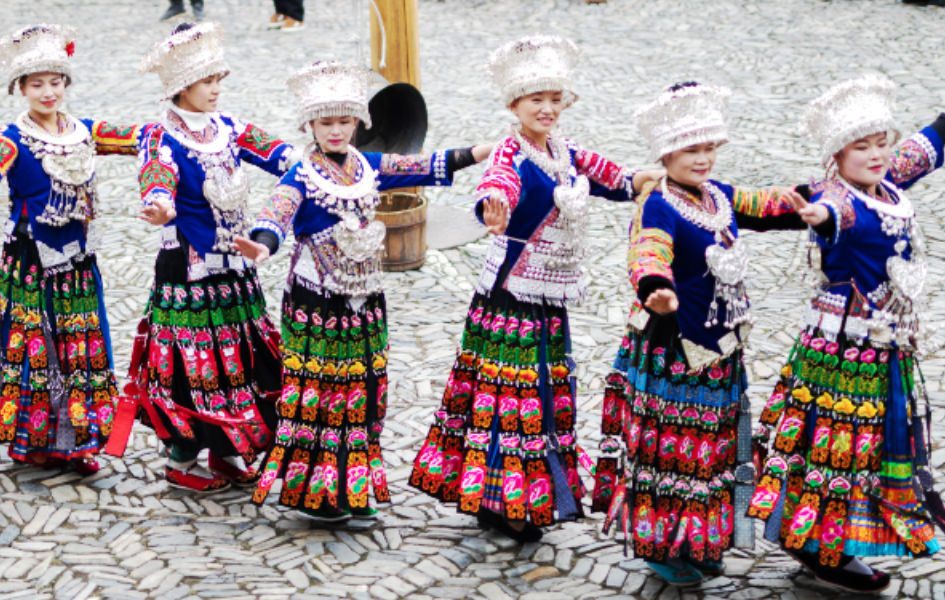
{"x": 399, "y": 116}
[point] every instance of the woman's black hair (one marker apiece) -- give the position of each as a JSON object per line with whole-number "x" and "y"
{"x": 682, "y": 85}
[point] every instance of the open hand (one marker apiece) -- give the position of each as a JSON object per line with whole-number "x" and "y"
{"x": 159, "y": 212}
{"x": 662, "y": 301}
{"x": 494, "y": 215}
{"x": 813, "y": 214}
{"x": 254, "y": 251}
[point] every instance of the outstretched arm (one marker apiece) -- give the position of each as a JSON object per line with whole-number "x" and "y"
{"x": 610, "y": 180}
{"x": 266, "y": 151}
{"x": 918, "y": 155}
{"x": 438, "y": 168}
{"x": 275, "y": 220}
{"x": 117, "y": 139}
{"x": 767, "y": 208}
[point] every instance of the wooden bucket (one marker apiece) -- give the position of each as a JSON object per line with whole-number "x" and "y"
{"x": 404, "y": 213}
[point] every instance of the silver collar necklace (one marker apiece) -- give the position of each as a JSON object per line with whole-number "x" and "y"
{"x": 717, "y": 222}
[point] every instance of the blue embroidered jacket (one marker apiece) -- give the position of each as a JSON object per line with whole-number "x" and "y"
{"x": 667, "y": 250}
{"x": 170, "y": 168}
{"x": 854, "y": 247}
{"x": 291, "y": 206}
{"x": 32, "y": 188}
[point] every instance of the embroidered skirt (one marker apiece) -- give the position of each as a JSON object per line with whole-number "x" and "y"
{"x": 503, "y": 438}
{"x": 669, "y": 447}
{"x": 205, "y": 367}
{"x": 331, "y": 412}
{"x": 57, "y": 396}
{"x": 838, "y": 478}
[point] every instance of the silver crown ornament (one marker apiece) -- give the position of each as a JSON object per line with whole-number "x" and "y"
{"x": 331, "y": 89}
{"x": 849, "y": 111}
{"x": 37, "y": 49}
{"x": 533, "y": 64}
{"x": 187, "y": 57}
{"x": 683, "y": 117}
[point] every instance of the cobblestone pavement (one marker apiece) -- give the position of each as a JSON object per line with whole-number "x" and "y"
{"x": 124, "y": 534}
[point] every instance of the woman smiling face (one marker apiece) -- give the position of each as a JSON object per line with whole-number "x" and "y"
{"x": 44, "y": 92}
{"x": 864, "y": 162}
{"x": 691, "y": 165}
{"x": 538, "y": 113}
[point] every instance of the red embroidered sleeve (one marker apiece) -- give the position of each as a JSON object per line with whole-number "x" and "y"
{"x": 768, "y": 202}
{"x": 8, "y": 154}
{"x": 599, "y": 169}
{"x": 501, "y": 175}
{"x": 158, "y": 174}
{"x": 113, "y": 139}
{"x": 257, "y": 141}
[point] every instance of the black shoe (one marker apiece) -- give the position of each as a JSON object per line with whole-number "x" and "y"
{"x": 859, "y": 583}
{"x": 490, "y": 520}
{"x": 176, "y": 8}
{"x": 197, "y": 6}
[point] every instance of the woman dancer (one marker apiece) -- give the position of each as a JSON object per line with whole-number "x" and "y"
{"x": 58, "y": 390}
{"x": 672, "y": 402}
{"x": 334, "y": 315}
{"x": 838, "y": 480}
{"x": 503, "y": 442}
{"x": 205, "y": 368}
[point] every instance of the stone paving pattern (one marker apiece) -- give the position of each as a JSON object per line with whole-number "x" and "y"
{"x": 123, "y": 534}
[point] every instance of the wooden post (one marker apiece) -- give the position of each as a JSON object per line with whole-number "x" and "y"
{"x": 403, "y": 52}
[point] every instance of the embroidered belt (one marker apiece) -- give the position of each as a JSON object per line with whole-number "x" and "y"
{"x": 536, "y": 276}
{"x": 52, "y": 259}
{"x": 877, "y": 330}
{"x": 211, "y": 263}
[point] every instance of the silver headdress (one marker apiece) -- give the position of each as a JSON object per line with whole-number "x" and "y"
{"x": 534, "y": 64}
{"x": 186, "y": 57}
{"x": 37, "y": 49}
{"x": 683, "y": 116}
{"x": 331, "y": 89}
{"x": 849, "y": 111}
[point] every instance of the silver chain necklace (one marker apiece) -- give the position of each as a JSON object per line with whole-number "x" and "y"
{"x": 716, "y": 223}
{"x": 557, "y": 166}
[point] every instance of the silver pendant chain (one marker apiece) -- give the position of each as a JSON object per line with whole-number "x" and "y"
{"x": 557, "y": 166}
{"x": 716, "y": 223}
